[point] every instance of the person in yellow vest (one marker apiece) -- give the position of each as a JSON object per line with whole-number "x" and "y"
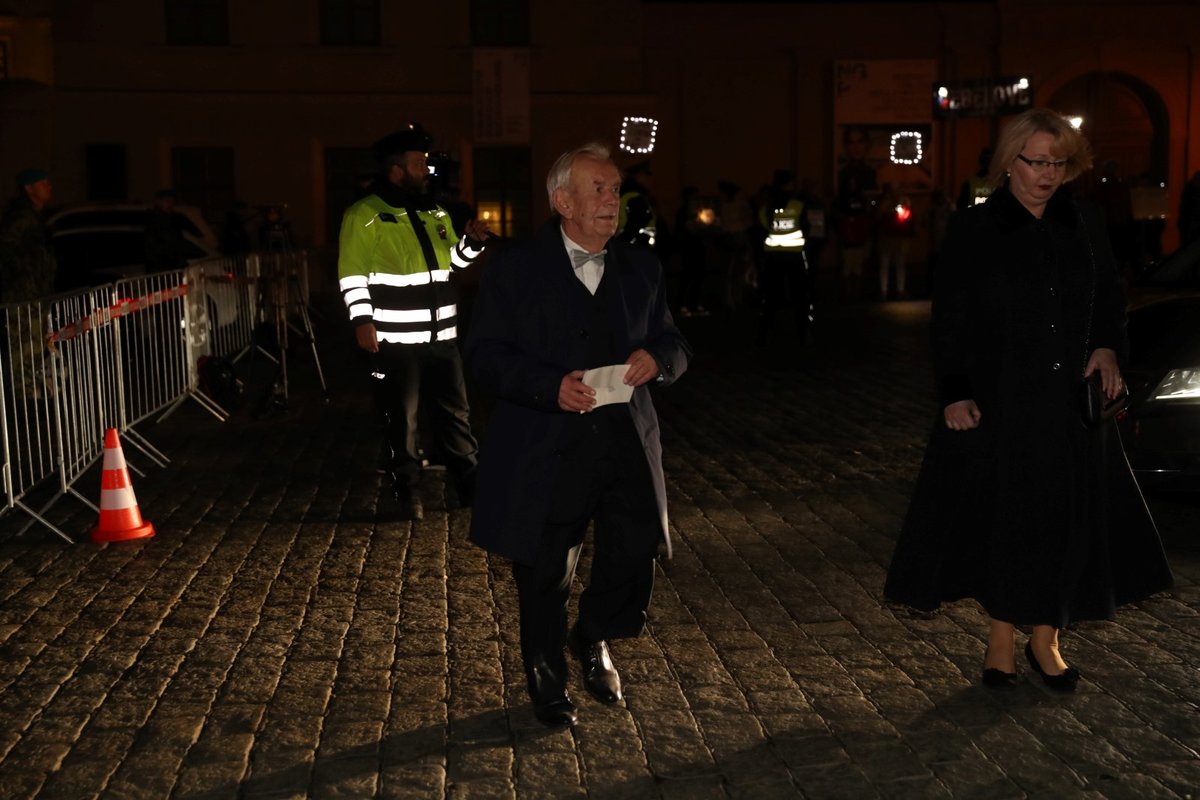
{"x": 395, "y": 254}
{"x": 637, "y": 222}
{"x": 978, "y": 187}
{"x": 785, "y": 272}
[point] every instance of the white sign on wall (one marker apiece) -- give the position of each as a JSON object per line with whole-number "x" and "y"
{"x": 882, "y": 92}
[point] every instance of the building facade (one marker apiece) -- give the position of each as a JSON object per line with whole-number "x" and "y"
{"x": 277, "y": 101}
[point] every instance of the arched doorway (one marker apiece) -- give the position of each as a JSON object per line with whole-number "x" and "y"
{"x": 1125, "y": 120}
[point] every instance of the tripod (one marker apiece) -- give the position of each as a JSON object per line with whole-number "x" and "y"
{"x": 279, "y": 298}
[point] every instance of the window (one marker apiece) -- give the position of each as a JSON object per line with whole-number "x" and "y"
{"x": 500, "y": 23}
{"x": 349, "y": 22}
{"x": 197, "y": 21}
{"x": 503, "y": 189}
{"x": 107, "y": 171}
{"x": 204, "y": 177}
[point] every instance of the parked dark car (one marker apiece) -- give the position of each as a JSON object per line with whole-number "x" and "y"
{"x": 1161, "y": 431}
{"x": 97, "y": 243}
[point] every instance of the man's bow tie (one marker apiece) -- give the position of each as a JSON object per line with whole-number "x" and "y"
{"x": 579, "y": 257}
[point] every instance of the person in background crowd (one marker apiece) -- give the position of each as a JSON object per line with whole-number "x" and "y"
{"x": 1018, "y": 503}
{"x": 166, "y": 247}
{"x": 937, "y": 219}
{"x": 27, "y": 266}
{"x": 1111, "y": 194}
{"x": 785, "y": 271}
{"x": 234, "y": 239}
{"x": 975, "y": 189}
{"x": 638, "y": 222}
{"x": 690, "y": 234}
{"x": 734, "y": 218}
{"x": 816, "y": 224}
{"x": 1189, "y": 211}
{"x": 395, "y": 253}
{"x": 27, "y": 273}
{"x": 855, "y": 209}
{"x": 558, "y": 454}
{"x": 896, "y": 229}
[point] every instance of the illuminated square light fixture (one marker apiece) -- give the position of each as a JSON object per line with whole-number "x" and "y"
{"x": 906, "y": 147}
{"x": 638, "y": 134}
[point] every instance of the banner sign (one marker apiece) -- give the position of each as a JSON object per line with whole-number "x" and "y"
{"x": 982, "y": 98}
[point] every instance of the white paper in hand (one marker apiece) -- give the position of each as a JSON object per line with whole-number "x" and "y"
{"x": 607, "y": 381}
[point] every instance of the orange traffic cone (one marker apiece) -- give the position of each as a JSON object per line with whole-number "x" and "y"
{"x": 120, "y": 519}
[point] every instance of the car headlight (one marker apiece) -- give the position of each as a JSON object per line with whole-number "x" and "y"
{"x": 1178, "y": 384}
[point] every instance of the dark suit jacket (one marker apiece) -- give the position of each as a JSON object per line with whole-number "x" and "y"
{"x": 522, "y": 341}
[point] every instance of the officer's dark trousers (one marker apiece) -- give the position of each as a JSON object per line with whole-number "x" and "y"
{"x": 603, "y": 476}
{"x": 432, "y": 373}
{"x": 785, "y": 281}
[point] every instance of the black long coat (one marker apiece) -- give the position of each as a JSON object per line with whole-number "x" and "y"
{"x": 1032, "y": 514}
{"x": 522, "y": 341}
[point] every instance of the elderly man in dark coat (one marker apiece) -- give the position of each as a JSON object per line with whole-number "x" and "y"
{"x": 570, "y": 299}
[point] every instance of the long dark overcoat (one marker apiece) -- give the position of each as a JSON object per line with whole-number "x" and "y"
{"x": 524, "y": 337}
{"x": 1032, "y": 514}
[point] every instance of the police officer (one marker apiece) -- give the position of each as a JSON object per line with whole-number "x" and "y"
{"x": 396, "y": 251}
{"x": 784, "y": 266}
{"x": 637, "y": 223}
{"x": 977, "y": 188}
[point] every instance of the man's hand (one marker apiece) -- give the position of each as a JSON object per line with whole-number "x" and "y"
{"x": 642, "y": 368}
{"x": 367, "y": 340}
{"x": 477, "y": 230}
{"x": 962, "y": 416}
{"x": 574, "y": 395}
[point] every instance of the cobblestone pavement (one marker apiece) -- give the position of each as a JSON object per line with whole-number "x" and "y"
{"x": 280, "y": 637}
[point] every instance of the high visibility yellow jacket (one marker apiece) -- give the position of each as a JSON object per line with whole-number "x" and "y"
{"x": 783, "y": 225}
{"x": 397, "y": 279}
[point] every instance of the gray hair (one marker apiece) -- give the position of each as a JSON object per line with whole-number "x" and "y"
{"x": 560, "y": 173}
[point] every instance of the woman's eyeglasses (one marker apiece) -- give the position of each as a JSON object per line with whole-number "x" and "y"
{"x": 1041, "y": 165}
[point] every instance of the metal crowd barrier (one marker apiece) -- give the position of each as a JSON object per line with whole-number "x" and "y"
{"x": 76, "y": 364}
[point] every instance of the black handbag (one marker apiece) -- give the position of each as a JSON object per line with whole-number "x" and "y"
{"x": 1095, "y": 408}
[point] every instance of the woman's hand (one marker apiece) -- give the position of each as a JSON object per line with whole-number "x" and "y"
{"x": 1104, "y": 359}
{"x": 962, "y": 416}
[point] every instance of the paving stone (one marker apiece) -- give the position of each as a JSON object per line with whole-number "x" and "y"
{"x": 281, "y": 638}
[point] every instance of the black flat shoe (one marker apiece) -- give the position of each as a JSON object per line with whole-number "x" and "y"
{"x": 999, "y": 679}
{"x": 600, "y": 677}
{"x": 1063, "y": 682}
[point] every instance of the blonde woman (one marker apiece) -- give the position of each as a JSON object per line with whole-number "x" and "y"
{"x": 1018, "y": 504}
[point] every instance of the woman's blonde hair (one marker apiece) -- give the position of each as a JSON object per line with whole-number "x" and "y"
{"x": 1068, "y": 143}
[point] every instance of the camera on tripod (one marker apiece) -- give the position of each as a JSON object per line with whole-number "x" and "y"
{"x": 275, "y": 234}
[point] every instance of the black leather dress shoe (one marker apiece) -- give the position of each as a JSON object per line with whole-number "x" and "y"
{"x": 548, "y": 691}
{"x": 407, "y": 505}
{"x": 1063, "y": 682}
{"x": 600, "y": 677}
